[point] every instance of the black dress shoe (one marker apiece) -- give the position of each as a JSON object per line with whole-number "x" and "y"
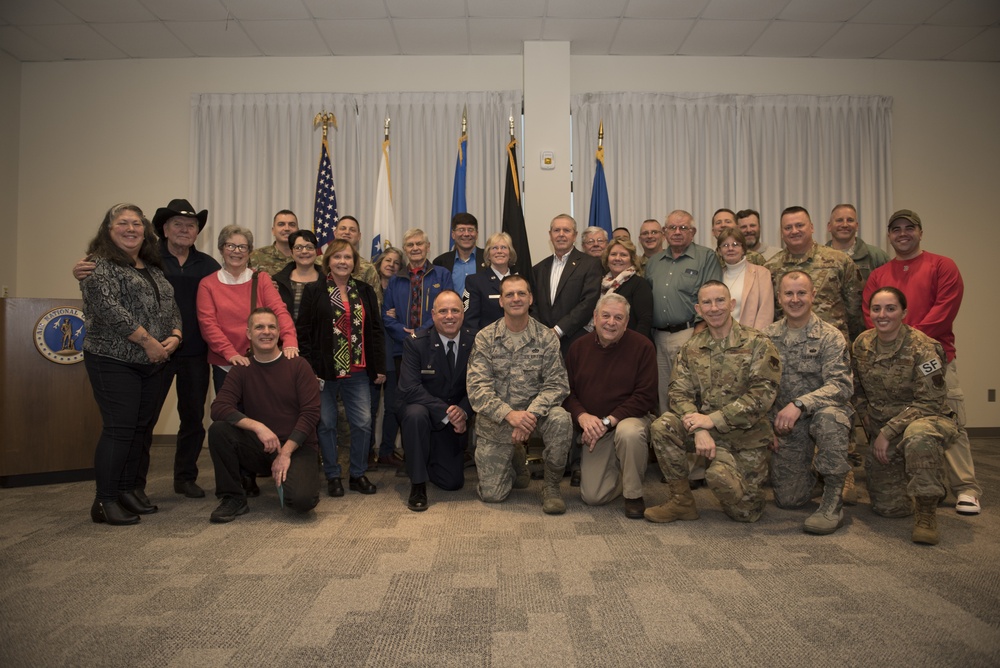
{"x": 250, "y": 485}
{"x": 189, "y": 488}
{"x": 362, "y": 485}
{"x": 634, "y": 508}
{"x": 334, "y": 487}
{"x": 574, "y": 481}
{"x": 141, "y": 495}
{"x": 112, "y": 513}
{"x": 133, "y": 504}
{"x": 418, "y": 497}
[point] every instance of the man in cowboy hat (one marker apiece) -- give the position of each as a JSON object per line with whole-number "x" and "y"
{"x": 184, "y": 266}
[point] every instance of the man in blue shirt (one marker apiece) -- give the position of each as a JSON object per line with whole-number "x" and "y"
{"x": 466, "y": 258}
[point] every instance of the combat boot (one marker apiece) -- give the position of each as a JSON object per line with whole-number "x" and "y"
{"x": 830, "y": 515}
{"x": 552, "y": 502}
{"x": 680, "y": 505}
{"x": 850, "y": 493}
{"x": 925, "y": 521}
{"x": 522, "y": 477}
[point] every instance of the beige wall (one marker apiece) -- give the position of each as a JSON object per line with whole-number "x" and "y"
{"x": 92, "y": 133}
{"x": 10, "y": 115}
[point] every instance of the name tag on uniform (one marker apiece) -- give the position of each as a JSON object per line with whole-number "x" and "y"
{"x": 929, "y": 367}
{"x": 494, "y": 296}
{"x": 427, "y": 372}
{"x": 691, "y": 272}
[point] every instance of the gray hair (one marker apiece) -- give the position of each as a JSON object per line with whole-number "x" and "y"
{"x": 594, "y": 230}
{"x": 415, "y": 232}
{"x": 613, "y": 298}
{"x": 229, "y": 231}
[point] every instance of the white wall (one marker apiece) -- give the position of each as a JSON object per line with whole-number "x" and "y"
{"x": 92, "y": 133}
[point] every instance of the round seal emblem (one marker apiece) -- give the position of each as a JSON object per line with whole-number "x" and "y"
{"x": 59, "y": 335}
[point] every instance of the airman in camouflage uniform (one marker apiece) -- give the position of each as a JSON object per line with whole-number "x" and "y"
{"x": 272, "y": 259}
{"x": 812, "y": 414}
{"x": 843, "y": 228}
{"x": 900, "y": 395}
{"x": 722, "y": 385}
{"x": 516, "y": 383}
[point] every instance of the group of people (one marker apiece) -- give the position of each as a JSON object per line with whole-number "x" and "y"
{"x": 581, "y": 352}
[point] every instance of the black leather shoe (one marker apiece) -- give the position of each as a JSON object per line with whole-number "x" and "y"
{"x": 334, "y": 487}
{"x": 141, "y": 495}
{"x": 250, "y": 486}
{"x": 634, "y": 508}
{"x": 230, "y": 508}
{"x": 574, "y": 481}
{"x": 362, "y": 485}
{"x": 133, "y": 504}
{"x": 189, "y": 488}
{"x": 112, "y": 513}
{"x": 418, "y": 497}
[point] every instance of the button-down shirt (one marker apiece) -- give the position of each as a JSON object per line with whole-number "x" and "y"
{"x": 675, "y": 282}
{"x": 462, "y": 269}
{"x": 558, "y": 264}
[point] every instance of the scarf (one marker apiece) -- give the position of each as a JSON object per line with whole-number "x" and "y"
{"x": 348, "y": 328}
{"x": 609, "y": 284}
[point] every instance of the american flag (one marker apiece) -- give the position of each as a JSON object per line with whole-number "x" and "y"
{"x": 325, "y": 212}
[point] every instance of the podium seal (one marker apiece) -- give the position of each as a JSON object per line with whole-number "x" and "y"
{"x": 59, "y": 335}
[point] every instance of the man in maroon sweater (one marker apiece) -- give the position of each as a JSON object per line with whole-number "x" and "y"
{"x": 612, "y": 391}
{"x": 282, "y": 396}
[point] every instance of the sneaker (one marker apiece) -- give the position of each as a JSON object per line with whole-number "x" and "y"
{"x": 230, "y": 508}
{"x": 966, "y": 504}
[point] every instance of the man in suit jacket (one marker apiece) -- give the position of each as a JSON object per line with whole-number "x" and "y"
{"x": 434, "y": 402}
{"x": 567, "y": 284}
{"x": 466, "y": 258}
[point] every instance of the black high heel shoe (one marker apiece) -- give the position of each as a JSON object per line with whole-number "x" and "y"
{"x": 131, "y": 502}
{"x": 112, "y": 513}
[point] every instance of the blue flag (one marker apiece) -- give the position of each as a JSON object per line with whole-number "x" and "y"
{"x": 600, "y": 206}
{"x": 458, "y": 204}
{"x": 325, "y": 210}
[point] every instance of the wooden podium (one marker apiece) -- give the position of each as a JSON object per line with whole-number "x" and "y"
{"x": 49, "y": 420}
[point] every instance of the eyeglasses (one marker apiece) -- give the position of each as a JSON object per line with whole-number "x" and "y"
{"x": 303, "y": 247}
{"x": 243, "y": 248}
{"x": 595, "y": 241}
{"x": 678, "y": 228}
{"x": 732, "y": 244}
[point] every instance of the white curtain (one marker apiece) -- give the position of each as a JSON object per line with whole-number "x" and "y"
{"x": 254, "y": 154}
{"x": 702, "y": 152}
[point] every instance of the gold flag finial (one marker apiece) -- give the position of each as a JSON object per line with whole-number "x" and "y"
{"x": 386, "y": 128}
{"x": 465, "y": 119}
{"x": 600, "y": 135}
{"x": 511, "y": 121}
{"x": 327, "y": 119}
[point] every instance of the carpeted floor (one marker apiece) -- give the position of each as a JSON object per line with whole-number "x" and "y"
{"x": 362, "y": 581}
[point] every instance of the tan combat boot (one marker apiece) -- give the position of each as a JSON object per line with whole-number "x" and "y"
{"x": 925, "y": 529}
{"x": 850, "y": 493}
{"x": 680, "y": 505}
{"x": 552, "y": 502}
{"x": 522, "y": 478}
{"x": 830, "y": 515}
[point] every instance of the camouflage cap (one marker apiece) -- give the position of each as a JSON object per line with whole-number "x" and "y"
{"x": 908, "y": 215}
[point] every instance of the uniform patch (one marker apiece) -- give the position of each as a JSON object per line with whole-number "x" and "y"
{"x": 930, "y": 366}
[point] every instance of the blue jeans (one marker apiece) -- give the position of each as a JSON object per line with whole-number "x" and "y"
{"x": 390, "y": 421}
{"x": 129, "y": 397}
{"x": 357, "y": 403}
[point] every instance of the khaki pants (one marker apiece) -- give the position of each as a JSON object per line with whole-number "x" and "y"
{"x": 617, "y": 463}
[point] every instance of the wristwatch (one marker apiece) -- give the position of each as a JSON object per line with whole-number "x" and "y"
{"x": 606, "y": 422}
{"x": 798, "y": 404}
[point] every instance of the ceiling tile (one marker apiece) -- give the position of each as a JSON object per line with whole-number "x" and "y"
{"x": 187, "y": 10}
{"x": 359, "y": 37}
{"x": 35, "y": 12}
{"x": 742, "y": 10}
{"x": 345, "y": 9}
{"x": 586, "y": 36}
{"x": 585, "y": 9}
{"x": 967, "y": 13}
{"x": 792, "y": 39}
{"x": 861, "y": 40}
{"x": 426, "y": 9}
{"x": 149, "y": 39}
{"x": 286, "y": 38}
{"x": 108, "y": 11}
{"x": 502, "y": 36}
{"x": 506, "y": 9}
{"x": 811, "y": 10}
{"x": 661, "y": 37}
{"x": 24, "y": 48}
{"x": 222, "y": 39}
{"x": 929, "y": 42}
{"x": 900, "y": 12}
{"x": 75, "y": 42}
{"x": 983, "y": 48}
{"x": 657, "y": 9}
{"x": 721, "y": 38}
{"x": 439, "y": 37}
{"x": 267, "y": 10}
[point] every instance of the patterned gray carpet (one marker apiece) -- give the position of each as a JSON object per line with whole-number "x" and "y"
{"x": 364, "y": 582}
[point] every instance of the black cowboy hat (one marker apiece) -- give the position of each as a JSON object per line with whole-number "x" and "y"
{"x": 178, "y": 207}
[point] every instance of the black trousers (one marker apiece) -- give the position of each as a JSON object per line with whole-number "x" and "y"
{"x": 233, "y": 448}
{"x": 433, "y": 452}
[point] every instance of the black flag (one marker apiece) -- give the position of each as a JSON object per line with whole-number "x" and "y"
{"x": 513, "y": 216}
